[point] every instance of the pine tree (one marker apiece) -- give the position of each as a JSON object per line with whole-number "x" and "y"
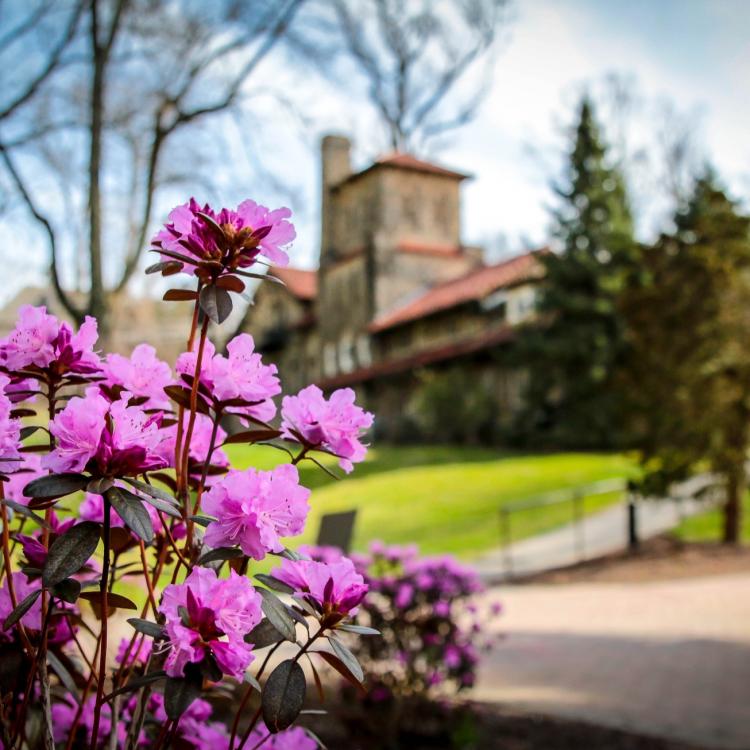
{"x": 688, "y": 369}
{"x": 573, "y": 349}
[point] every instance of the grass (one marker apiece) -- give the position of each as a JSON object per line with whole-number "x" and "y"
{"x": 447, "y": 499}
{"x": 707, "y": 527}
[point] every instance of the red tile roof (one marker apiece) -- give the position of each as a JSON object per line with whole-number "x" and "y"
{"x": 473, "y": 286}
{"x": 485, "y": 340}
{"x": 421, "y": 248}
{"x": 301, "y": 284}
{"x": 401, "y": 160}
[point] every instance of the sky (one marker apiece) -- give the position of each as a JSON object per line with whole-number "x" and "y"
{"x": 693, "y": 53}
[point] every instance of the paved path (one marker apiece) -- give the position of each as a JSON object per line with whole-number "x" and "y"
{"x": 668, "y": 658}
{"x": 597, "y": 534}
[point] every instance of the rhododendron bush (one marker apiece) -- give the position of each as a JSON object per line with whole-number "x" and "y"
{"x": 432, "y": 621}
{"x": 113, "y": 476}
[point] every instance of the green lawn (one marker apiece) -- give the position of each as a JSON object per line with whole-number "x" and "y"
{"x": 707, "y": 527}
{"x": 444, "y": 498}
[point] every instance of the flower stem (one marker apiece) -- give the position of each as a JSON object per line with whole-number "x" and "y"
{"x": 103, "y": 589}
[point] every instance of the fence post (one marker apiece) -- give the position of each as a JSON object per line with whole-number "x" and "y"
{"x": 633, "y": 540}
{"x": 506, "y": 539}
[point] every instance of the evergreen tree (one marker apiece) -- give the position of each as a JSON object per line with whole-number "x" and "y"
{"x": 573, "y": 349}
{"x": 688, "y": 369}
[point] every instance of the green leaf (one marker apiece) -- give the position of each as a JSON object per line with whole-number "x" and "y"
{"x": 138, "y": 682}
{"x": 151, "y": 629}
{"x": 23, "y": 607}
{"x": 278, "y": 614}
{"x": 216, "y": 303}
{"x": 347, "y": 658}
{"x": 264, "y": 634}
{"x": 201, "y": 520}
{"x": 114, "y": 601}
{"x": 250, "y": 680}
{"x": 340, "y": 667}
{"x": 70, "y": 552}
{"x": 210, "y": 669}
{"x": 65, "y": 677}
{"x": 159, "y": 504}
{"x": 24, "y": 511}
{"x": 274, "y": 583}
{"x": 68, "y": 590}
{"x": 283, "y": 696}
{"x": 55, "y": 485}
{"x": 180, "y": 692}
{"x": 130, "y": 508}
{"x": 359, "y": 629}
{"x": 220, "y": 553}
{"x": 252, "y": 436}
{"x": 179, "y": 295}
{"x": 152, "y": 491}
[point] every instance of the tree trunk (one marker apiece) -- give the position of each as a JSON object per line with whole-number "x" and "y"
{"x": 733, "y": 508}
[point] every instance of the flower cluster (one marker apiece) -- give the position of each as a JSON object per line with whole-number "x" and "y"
{"x": 225, "y": 240}
{"x": 127, "y": 483}
{"x": 333, "y": 425}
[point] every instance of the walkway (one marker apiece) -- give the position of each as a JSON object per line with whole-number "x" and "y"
{"x": 597, "y": 534}
{"x": 669, "y": 658}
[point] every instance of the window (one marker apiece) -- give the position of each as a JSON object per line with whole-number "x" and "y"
{"x": 329, "y": 359}
{"x": 346, "y": 360}
{"x": 364, "y": 354}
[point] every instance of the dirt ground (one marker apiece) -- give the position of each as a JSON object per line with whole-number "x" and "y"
{"x": 660, "y": 559}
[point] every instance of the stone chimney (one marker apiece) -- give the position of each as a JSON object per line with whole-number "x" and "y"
{"x": 335, "y": 167}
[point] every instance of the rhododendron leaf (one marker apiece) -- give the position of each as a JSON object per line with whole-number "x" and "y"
{"x": 24, "y": 511}
{"x": 166, "y": 267}
{"x": 283, "y": 696}
{"x": 359, "y": 629}
{"x": 347, "y": 657}
{"x": 210, "y": 669}
{"x": 99, "y": 486}
{"x": 220, "y": 553}
{"x": 70, "y": 552}
{"x": 309, "y": 607}
{"x": 68, "y": 590}
{"x": 278, "y": 614}
{"x": 151, "y": 629}
{"x": 181, "y": 396}
{"x": 299, "y": 617}
{"x": 232, "y": 283}
{"x": 55, "y": 485}
{"x": 252, "y": 436}
{"x": 210, "y": 222}
{"x": 274, "y": 583}
{"x": 22, "y": 412}
{"x": 23, "y": 607}
{"x": 177, "y": 256}
{"x": 167, "y": 508}
{"x": 130, "y": 508}
{"x": 180, "y": 692}
{"x": 261, "y": 276}
{"x": 114, "y": 601}
{"x": 29, "y": 431}
{"x": 179, "y": 295}
{"x": 216, "y": 303}
{"x": 264, "y": 634}
{"x": 340, "y": 667}
{"x": 289, "y": 554}
{"x": 318, "y": 681}
{"x": 11, "y": 667}
{"x": 149, "y": 489}
{"x": 65, "y": 677}
{"x": 250, "y": 680}
{"x": 200, "y": 520}
{"x": 136, "y": 683}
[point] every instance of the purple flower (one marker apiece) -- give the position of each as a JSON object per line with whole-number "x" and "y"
{"x": 92, "y": 509}
{"x": 143, "y": 374}
{"x": 139, "y": 653}
{"x": 291, "y": 739}
{"x": 231, "y": 239}
{"x": 195, "y": 729}
{"x": 200, "y": 443}
{"x": 110, "y": 439}
{"x": 334, "y": 426}
{"x": 336, "y": 588}
{"x": 24, "y": 472}
{"x": 63, "y": 716}
{"x": 254, "y": 509}
{"x": 10, "y": 433}
{"x": 240, "y": 375}
{"x": 41, "y": 340}
{"x": 22, "y": 587}
{"x": 208, "y": 615}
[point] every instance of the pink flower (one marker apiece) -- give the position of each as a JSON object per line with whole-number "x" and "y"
{"x": 254, "y": 509}
{"x": 22, "y": 587}
{"x": 295, "y": 738}
{"x": 195, "y": 728}
{"x": 245, "y": 233}
{"x": 335, "y": 587}
{"x": 92, "y": 509}
{"x": 41, "y": 340}
{"x": 143, "y": 374}
{"x": 334, "y": 425}
{"x": 139, "y": 653}
{"x": 241, "y": 374}
{"x": 214, "y": 609}
{"x": 110, "y": 439}
{"x": 63, "y": 716}
{"x": 10, "y": 433}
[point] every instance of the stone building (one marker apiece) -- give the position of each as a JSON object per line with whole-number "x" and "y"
{"x": 396, "y": 291}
